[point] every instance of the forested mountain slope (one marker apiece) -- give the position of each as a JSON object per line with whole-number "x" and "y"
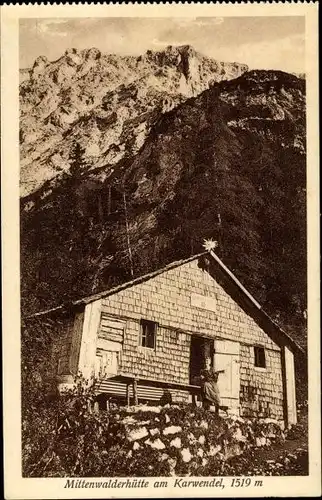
{"x": 228, "y": 164}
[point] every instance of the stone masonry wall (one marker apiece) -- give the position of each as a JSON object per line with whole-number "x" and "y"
{"x": 166, "y": 299}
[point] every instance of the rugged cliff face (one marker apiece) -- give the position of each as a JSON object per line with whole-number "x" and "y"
{"x": 105, "y": 102}
{"x": 227, "y": 164}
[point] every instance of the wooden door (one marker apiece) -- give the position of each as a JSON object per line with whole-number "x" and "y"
{"x": 226, "y": 357}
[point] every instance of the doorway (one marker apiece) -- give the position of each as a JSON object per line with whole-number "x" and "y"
{"x": 200, "y": 349}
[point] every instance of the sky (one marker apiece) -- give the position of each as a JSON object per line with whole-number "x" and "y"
{"x": 259, "y": 42}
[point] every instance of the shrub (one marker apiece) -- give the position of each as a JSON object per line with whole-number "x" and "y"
{"x": 63, "y": 436}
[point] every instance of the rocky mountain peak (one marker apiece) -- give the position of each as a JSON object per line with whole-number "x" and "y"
{"x": 183, "y": 57}
{"x": 106, "y": 102}
{"x": 73, "y": 57}
{"x": 39, "y": 66}
{"x": 92, "y": 53}
{"x": 172, "y": 54}
{"x": 40, "y": 61}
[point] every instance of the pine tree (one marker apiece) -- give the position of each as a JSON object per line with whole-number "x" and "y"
{"x": 78, "y": 163}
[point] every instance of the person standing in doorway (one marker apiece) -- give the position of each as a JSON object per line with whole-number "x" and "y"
{"x": 210, "y": 391}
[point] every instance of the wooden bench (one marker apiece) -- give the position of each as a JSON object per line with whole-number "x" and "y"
{"x": 134, "y": 389}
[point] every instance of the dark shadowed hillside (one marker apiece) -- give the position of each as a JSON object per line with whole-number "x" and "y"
{"x": 229, "y": 164}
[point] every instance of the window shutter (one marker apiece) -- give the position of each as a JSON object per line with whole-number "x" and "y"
{"x": 109, "y": 345}
{"x": 111, "y": 329}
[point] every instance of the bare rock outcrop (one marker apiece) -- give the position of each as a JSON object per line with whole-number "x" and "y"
{"x": 78, "y": 97}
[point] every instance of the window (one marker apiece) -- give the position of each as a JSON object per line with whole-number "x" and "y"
{"x": 148, "y": 333}
{"x": 259, "y": 353}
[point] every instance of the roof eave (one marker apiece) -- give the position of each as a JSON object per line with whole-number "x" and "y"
{"x": 256, "y": 306}
{"x": 141, "y": 279}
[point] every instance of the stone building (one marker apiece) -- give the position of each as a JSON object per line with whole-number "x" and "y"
{"x": 151, "y": 336}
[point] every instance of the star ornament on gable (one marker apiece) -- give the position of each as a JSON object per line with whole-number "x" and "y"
{"x": 209, "y": 244}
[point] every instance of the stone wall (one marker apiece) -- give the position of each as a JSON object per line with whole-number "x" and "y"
{"x": 167, "y": 300}
{"x": 187, "y": 441}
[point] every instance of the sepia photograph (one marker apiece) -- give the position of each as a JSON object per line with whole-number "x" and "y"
{"x": 163, "y": 250}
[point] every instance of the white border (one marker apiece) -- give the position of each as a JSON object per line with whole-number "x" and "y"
{"x": 17, "y": 487}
